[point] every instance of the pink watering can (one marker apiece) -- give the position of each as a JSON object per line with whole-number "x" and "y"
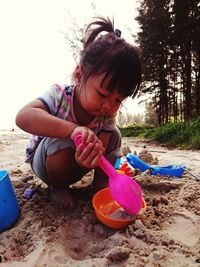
{"x": 122, "y": 187}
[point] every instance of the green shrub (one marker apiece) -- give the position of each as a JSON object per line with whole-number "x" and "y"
{"x": 172, "y": 134}
{"x": 134, "y": 130}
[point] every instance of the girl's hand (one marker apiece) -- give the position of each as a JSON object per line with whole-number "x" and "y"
{"x": 88, "y": 156}
{"x": 88, "y": 135}
{"x": 89, "y": 152}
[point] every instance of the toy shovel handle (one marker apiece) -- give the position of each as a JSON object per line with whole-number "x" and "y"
{"x": 104, "y": 164}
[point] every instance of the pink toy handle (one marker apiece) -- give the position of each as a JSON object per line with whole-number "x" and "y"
{"x": 104, "y": 164}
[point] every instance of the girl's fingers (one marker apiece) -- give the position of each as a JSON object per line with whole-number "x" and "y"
{"x": 90, "y": 155}
{"x": 90, "y": 150}
{"x": 87, "y": 151}
{"x": 95, "y": 161}
{"x": 88, "y": 136}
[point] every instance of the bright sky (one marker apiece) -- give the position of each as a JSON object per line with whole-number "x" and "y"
{"x": 33, "y": 51}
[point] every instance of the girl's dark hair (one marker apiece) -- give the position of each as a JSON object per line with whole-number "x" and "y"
{"x": 111, "y": 55}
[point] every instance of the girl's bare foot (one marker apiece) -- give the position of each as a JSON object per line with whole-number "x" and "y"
{"x": 63, "y": 198}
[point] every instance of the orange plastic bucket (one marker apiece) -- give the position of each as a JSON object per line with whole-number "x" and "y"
{"x": 104, "y": 205}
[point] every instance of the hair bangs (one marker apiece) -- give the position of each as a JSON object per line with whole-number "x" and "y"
{"x": 121, "y": 74}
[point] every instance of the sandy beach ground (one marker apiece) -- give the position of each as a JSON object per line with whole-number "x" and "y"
{"x": 168, "y": 235}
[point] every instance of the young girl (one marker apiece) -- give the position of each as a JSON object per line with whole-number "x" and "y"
{"x": 109, "y": 71}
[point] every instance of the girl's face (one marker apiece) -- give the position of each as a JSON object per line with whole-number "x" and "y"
{"x": 96, "y": 100}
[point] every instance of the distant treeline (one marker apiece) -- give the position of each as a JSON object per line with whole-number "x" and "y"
{"x": 169, "y": 39}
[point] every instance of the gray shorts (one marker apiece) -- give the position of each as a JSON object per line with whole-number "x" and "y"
{"x": 50, "y": 146}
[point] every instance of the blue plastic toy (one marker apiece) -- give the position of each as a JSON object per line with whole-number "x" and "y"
{"x": 28, "y": 193}
{"x": 117, "y": 163}
{"x": 170, "y": 170}
{"x": 9, "y": 207}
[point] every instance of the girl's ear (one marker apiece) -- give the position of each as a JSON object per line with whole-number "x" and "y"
{"x": 77, "y": 75}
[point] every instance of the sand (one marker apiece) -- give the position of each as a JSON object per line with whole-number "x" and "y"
{"x": 47, "y": 235}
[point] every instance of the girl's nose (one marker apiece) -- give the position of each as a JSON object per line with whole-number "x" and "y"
{"x": 107, "y": 105}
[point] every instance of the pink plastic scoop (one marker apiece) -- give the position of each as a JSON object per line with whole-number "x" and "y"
{"x": 122, "y": 188}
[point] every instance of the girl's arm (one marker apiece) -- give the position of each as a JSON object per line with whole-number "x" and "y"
{"x": 33, "y": 118}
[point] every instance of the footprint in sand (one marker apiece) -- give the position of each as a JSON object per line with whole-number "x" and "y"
{"x": 56, "y": 256}
{"x": 184, "y": 229}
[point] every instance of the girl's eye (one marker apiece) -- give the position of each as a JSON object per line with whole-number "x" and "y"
{"x": 120, "y": 101}
{"x": 102, "y": 95}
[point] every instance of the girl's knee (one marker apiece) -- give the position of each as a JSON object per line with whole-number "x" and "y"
{"x": 62, "y": 168}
